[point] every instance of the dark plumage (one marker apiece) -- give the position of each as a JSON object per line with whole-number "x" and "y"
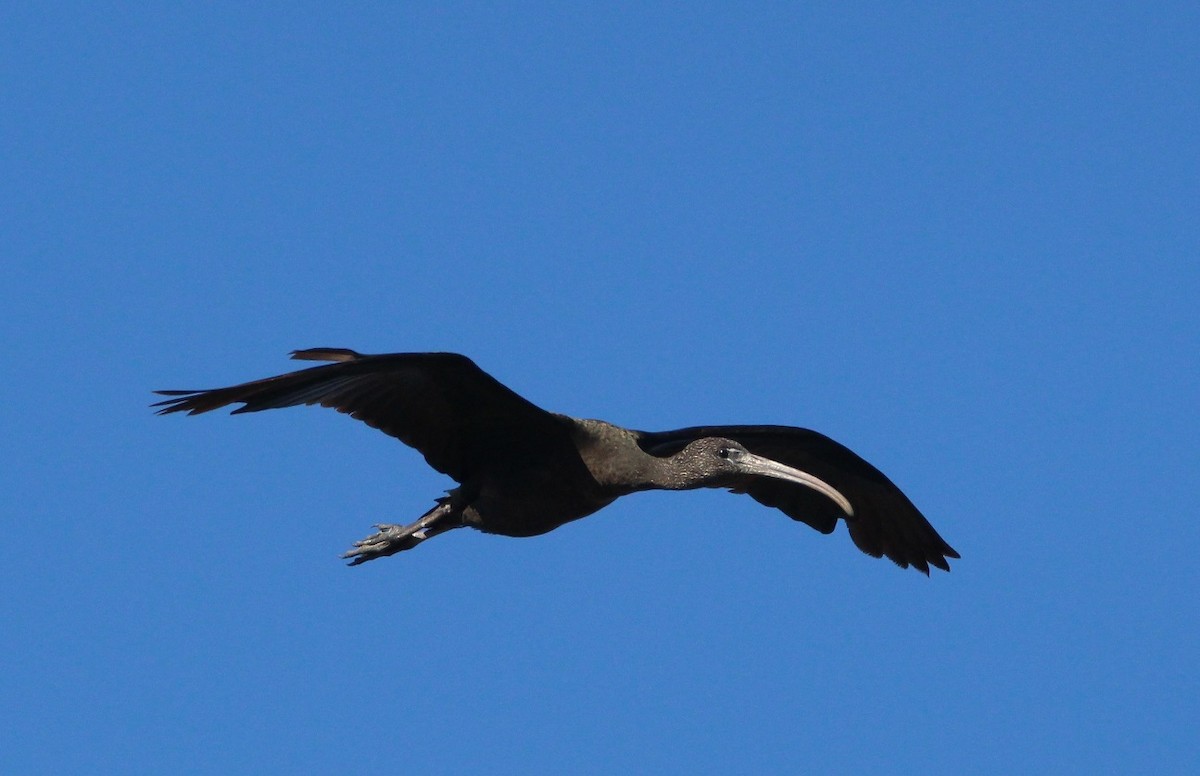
{"x": 523, "y": 471}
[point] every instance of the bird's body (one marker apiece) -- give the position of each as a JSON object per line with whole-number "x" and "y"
{"x": 523, "y": 471}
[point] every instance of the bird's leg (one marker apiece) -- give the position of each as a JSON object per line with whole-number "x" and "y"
{"x": 391, "y": 539}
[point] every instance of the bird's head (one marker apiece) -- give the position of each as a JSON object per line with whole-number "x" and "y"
{"x": 716, "y": 462}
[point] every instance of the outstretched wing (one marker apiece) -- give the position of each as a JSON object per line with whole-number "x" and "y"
{"x": 885, "y": 522}
{"x": 442, "y": 404}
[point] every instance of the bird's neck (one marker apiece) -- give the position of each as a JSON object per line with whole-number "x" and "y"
{"x": 617, "y": 463}
{"x": 663, "y": 474}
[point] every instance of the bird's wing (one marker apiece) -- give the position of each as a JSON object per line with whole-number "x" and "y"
{"x": 885, "y": 522}
{"x": 442, "y": 404}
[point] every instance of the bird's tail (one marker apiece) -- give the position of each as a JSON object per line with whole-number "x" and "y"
{"x": 326, "y": 354}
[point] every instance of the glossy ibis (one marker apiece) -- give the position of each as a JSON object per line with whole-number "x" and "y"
{"x": 523, "y": 471}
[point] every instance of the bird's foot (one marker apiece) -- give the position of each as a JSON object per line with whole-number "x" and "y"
{"x": 388, "y": 540}
{"x": 391, "y": 539}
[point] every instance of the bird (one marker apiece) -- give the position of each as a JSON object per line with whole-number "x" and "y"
{"x": 524, "y": 471}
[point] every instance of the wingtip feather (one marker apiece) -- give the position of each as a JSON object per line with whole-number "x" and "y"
{"x": 326, "y": 354}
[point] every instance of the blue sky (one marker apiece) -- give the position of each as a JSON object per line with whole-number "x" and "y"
{"x": 962, "y": 241}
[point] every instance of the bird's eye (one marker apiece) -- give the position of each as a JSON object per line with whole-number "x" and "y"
{"x": 722, "y": 452}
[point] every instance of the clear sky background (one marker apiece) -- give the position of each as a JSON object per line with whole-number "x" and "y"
{"x": 964, "y": 242}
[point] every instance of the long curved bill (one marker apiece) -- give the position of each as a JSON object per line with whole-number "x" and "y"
{"x": 756, "y": 464}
